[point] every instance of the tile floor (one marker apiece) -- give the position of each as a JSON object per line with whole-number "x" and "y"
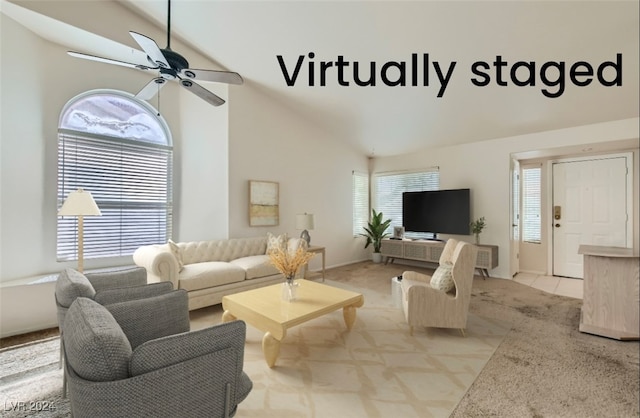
{"x": 552, "y": 284}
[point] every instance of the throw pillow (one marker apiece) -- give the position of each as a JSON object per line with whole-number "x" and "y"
{"x": 275, "y": 242}
{"x": 72, "y": 284}
{"x": 295, "y": 243}
{"x": 177, "y": 253}
{"x": 97, "y": 349}
{"x": 442, "y": 278}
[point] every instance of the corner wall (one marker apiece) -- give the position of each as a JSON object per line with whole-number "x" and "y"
{"x": 269, "y": 141}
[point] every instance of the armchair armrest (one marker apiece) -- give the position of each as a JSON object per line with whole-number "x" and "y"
{"x": 419, "y": 277}
{"x": 160, "y": 263}
{"x": 111, "y": 296}
{"x": 163, "y": 352}
{"x": 154, "y": 317}
{"x": 424, "y": 303}
{"x": 119, "y": 278}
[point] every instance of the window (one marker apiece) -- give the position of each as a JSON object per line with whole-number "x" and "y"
{"x": 390, "y": 186}
{"x": 119, "y": 149}
{"x": 531, "y": 205}
{"x": 360, "y": 192}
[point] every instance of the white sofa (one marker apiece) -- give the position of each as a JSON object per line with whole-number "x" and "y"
{"x": 209, "y": 270}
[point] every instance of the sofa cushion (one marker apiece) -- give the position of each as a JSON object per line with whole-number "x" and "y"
{"x": 209, "y": 274}
{"x": 96, "y": 347}
{"x": 256, "y": 266}
{"x": 72, "y": 284}
{"x": 221, "y": 250}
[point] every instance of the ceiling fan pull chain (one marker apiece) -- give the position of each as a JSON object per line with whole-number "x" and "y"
{"x": 158, "y": 109}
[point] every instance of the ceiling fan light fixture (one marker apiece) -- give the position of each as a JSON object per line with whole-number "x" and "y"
{"x": 171, "y": 66}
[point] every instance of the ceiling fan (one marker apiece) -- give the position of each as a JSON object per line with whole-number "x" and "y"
{"x": 171, "y": 66}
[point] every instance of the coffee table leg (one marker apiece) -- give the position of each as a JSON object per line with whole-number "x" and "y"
{"x": 270, "y": 348}
{"x": 349, "y": 313}
{"x": 227, "y": 317}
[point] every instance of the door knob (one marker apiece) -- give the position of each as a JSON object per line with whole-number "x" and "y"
{"x": 557, "y": 225}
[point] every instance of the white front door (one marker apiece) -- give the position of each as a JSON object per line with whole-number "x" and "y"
{"x": 591, "y": 201}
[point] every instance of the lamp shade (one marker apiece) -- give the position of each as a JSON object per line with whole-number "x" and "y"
{"x": 304, "y": 221}
{"x": 79, "y": 203}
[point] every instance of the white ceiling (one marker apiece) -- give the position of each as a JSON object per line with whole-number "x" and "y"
{"x": 247, "y": 36}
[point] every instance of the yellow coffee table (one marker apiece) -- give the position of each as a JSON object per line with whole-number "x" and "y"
{"x": 264, "y": 309}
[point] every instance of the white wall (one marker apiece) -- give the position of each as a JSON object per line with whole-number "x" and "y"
{"x": 269, "y": 141}
{"x": 201, "y": 206}
{"x": 37, "y": 79}
{"x": 484, "y": 167}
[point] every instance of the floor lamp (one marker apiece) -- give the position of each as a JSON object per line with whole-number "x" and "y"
{"x": 80, "y": 203}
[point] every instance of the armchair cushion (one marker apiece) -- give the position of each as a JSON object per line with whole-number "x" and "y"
{"x": 136, "y": 276}
{"x": 442, "y": 278}
{"x": 177, "y": 348}
{"x": 95, "y": 345}
{"x": 154, "y": 317}
{"x": 72, "y": 284}
{"x": 107, "y": 297}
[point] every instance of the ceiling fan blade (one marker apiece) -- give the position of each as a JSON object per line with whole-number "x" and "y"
{"x": 228, "y": 77}
{"x": 201, "y": 92}
{"x": 108, "y": 60}
{"x": 151, "y": 89}
{"x": 150, "y": 46}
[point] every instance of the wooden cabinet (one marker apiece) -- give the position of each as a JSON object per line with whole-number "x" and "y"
{"x": 610, "y": 304}
{"x": 429, "y": 251}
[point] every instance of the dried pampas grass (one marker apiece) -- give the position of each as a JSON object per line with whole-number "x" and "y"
{"x": 288, "y": 263}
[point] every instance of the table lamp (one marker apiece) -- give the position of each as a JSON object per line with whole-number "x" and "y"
{"x": 305, "y": 221}
{"x": 80, "y": 203}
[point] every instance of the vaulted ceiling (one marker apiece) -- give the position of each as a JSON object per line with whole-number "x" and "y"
{"x": 431, "y": 47}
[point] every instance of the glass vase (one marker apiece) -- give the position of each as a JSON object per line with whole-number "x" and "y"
{"x": 289, "y": 289}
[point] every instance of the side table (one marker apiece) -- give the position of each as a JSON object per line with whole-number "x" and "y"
{"x": 396, "y": 292}
{"x": 318, "y": 250}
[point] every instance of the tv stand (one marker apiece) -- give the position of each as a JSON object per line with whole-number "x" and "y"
{"x": 430, "y": 251}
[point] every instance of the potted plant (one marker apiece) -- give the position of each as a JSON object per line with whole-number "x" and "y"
{"x": 476, "y": 227}
{"x": 375, "y": 231}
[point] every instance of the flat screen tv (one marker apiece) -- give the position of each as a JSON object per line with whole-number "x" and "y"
{"x": 437, "y": 211}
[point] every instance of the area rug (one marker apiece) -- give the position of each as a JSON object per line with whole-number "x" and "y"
{"x": 546, "y": 367}
{"x": 375, "y": 370}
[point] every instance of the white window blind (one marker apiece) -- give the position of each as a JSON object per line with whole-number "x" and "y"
{"x": 360, "y": 191}
{"x": 390, "y": 186}
{"x": 531, "y": 205}
{"x": 130, "y": 177}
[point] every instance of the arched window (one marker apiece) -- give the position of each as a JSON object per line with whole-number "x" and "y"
{"x": 119, "y": 149}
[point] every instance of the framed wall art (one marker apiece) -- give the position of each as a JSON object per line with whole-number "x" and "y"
{"x": 264, "y": 209}
{"x": 398, "y": 232}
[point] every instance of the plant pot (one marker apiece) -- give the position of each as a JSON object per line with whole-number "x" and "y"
{"x": 376, "y": 257}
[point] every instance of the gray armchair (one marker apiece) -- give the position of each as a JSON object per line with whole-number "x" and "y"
{"x": 104, "y": 288}
{"x": 137, "y": 359}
